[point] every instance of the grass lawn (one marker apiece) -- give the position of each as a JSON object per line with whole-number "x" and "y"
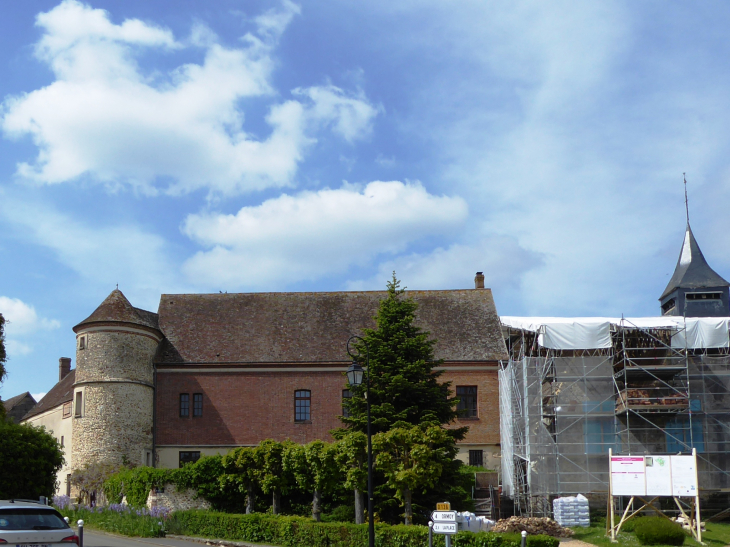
{"x": 717, "y": 535}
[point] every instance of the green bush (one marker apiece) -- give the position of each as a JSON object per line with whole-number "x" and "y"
{"x": 659, "y": 531}
{"x": 295, "y": 531}
{"x": 630, "y": 525}
{"x": 542, "y": 540}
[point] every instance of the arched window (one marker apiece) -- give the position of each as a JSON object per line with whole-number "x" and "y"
{"x": 302, "y": 405}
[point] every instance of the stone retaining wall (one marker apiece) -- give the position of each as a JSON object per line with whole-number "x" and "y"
{"x": 176, "y": 500}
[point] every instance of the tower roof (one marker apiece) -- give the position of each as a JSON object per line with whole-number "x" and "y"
{"x": 693, "y": 271}
{"x": 117, "y": 309}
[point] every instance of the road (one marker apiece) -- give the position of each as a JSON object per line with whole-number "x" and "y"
{"x": 100, "y": 539}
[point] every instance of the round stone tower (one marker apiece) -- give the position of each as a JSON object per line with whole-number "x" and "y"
{"x": 114, "y": 388}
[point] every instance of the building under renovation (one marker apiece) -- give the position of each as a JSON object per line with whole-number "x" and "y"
{"x": 575, "y": 387}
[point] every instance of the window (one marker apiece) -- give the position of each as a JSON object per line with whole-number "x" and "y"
{"x": 197, "y": 405}
{"x": 67, "y": 409}
{"x": 476, "y": 458}
{"x": 184, "y": 405}
{"x": 703, "y": 296}
{"x": 68, "y": 485}
{"x": 188, "y": 457}
{"x": 62, "y": 440}
{"x": 346, "y": 394}
{"x": 302, "y": 404}
{"x": 148, "y": 458}
{"x": 79, "y": 404}
{"x": 82, "y": 341}
{"x": 467, "y": 407}
{"x": 668, "y": 305}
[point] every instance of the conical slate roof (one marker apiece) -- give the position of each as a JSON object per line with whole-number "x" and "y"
{"x": 117, "y": 309}
{"x": 692, "y": 271}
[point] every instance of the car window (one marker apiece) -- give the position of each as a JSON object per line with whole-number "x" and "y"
{"x": 31, "y": 519}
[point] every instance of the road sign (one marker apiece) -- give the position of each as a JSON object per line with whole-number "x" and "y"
{"x": 445, "y": 506}
{"x": 443, "y": 516}
{"x": 445, "y": 528}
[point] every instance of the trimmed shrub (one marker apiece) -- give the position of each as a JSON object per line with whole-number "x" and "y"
{"x": 542, "y": 540}
{"x": 295, "y": 531}
{"x": 659, "y": 531}
{"x": 630, "y": 525}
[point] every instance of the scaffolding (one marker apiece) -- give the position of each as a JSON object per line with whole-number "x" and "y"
{"x": 646, "y": 387}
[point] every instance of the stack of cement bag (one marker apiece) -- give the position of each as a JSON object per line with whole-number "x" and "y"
{"x": 572, "y": 511}
{"x": 469, "y": 522}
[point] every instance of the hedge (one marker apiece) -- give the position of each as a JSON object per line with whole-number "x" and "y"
{"x": 296, "y": 531}
{"x": 659, "y": 531}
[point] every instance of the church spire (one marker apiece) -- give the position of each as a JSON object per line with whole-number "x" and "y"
{"x": 695, "y": 289}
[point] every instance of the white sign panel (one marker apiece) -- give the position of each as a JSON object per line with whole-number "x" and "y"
{"x": 684, "y": 476}
{"x": 658, "y": 476}
{"x": 443, "y": 516}
{"x": 444, "y": 527}
{"x": 628, "y": 476}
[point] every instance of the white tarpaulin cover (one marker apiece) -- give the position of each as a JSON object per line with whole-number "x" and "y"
{"x": 595, "y": 332}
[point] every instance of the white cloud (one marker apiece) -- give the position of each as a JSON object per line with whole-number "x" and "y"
{"x": 500, "y": 258}
{"x": 22, "y": 322}
{"x": 22, "y": 318}
{"x": 313, "y": 234}
{"x": 101, "y": 255}
{"x": 103, "y": 117}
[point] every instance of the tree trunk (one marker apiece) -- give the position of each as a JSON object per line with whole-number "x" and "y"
{"x": 276, "y": 502}
{"x": 316, "y": 501}
{"x": 359, "y": 507}
{"x": 250, "y": 498}
{"x": 409, "y": 508}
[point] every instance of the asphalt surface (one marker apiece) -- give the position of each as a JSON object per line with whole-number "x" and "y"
{"x": 101, "y": 539}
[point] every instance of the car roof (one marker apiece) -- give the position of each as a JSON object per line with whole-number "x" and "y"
{"x": 17, "y": 503}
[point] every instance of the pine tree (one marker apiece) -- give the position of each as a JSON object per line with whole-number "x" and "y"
{"x": 403, "y": 383}
{"x": 405, "y": 387}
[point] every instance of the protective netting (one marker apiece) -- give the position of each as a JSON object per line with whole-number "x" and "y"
{"x": 562, "y": 410}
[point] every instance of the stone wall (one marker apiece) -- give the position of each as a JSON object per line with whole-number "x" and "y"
{"x": 175, "y": 500}
{"x": 114, "y": 372}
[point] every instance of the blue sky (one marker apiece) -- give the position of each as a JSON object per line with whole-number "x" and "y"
{"x": 279, "y": 146}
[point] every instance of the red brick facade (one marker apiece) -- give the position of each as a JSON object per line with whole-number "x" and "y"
{"x": 244, "y": 407}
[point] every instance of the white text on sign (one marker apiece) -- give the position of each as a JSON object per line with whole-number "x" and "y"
{"x": 444, "y": 527}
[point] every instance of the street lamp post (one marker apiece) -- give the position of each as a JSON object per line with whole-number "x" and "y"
{"x": 354, "y": 378}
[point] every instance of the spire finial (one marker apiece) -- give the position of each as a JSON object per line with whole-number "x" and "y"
{"x": 118, "y": 283}
{"x": 686, "y": 201}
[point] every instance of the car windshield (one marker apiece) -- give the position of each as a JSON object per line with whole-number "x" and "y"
{"x": 30, "y": 518}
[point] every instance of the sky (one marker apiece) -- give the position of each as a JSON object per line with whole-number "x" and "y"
{"x": 192, "y": 147}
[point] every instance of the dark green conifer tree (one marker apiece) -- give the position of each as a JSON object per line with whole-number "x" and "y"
{"x": 405, "y": 387}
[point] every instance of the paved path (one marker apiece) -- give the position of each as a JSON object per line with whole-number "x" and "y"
{"x": 102, "y": 539}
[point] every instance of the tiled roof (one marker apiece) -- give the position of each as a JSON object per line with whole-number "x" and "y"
{"x": 9, "y": 404}
{"x": 62, "y": 392}
{"x": 117, "y": 309}
{"x": 315, "y": 326}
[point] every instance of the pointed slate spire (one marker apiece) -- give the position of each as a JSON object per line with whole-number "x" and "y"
{"x": 117, "y": 309}
{"x": 693, "y": 271}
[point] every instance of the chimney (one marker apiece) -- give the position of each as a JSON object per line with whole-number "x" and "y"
{"x": 64, "y": 367}
{"x": 479, "y": 280}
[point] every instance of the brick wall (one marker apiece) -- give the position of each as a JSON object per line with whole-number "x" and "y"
{"x": 484, "y": 429}
{"x": 243, "y": 408}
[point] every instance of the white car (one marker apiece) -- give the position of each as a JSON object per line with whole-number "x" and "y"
{"x": 25, "y": 523}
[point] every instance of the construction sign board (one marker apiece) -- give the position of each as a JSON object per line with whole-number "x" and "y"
{"x": 654, "y": 476}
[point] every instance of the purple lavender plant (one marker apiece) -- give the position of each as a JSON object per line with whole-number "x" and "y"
{"x": 62, "y": 502}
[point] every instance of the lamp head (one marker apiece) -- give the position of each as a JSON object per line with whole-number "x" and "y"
{"x": 354, "y": 374}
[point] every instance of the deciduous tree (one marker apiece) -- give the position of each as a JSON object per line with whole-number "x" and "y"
{"x": 273, "y": 479}
{"x": 30, "y": 457}
{"x": 352, "y": 458}
{"x": 413, "y": 458}
{"x": 242, "y": 474}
